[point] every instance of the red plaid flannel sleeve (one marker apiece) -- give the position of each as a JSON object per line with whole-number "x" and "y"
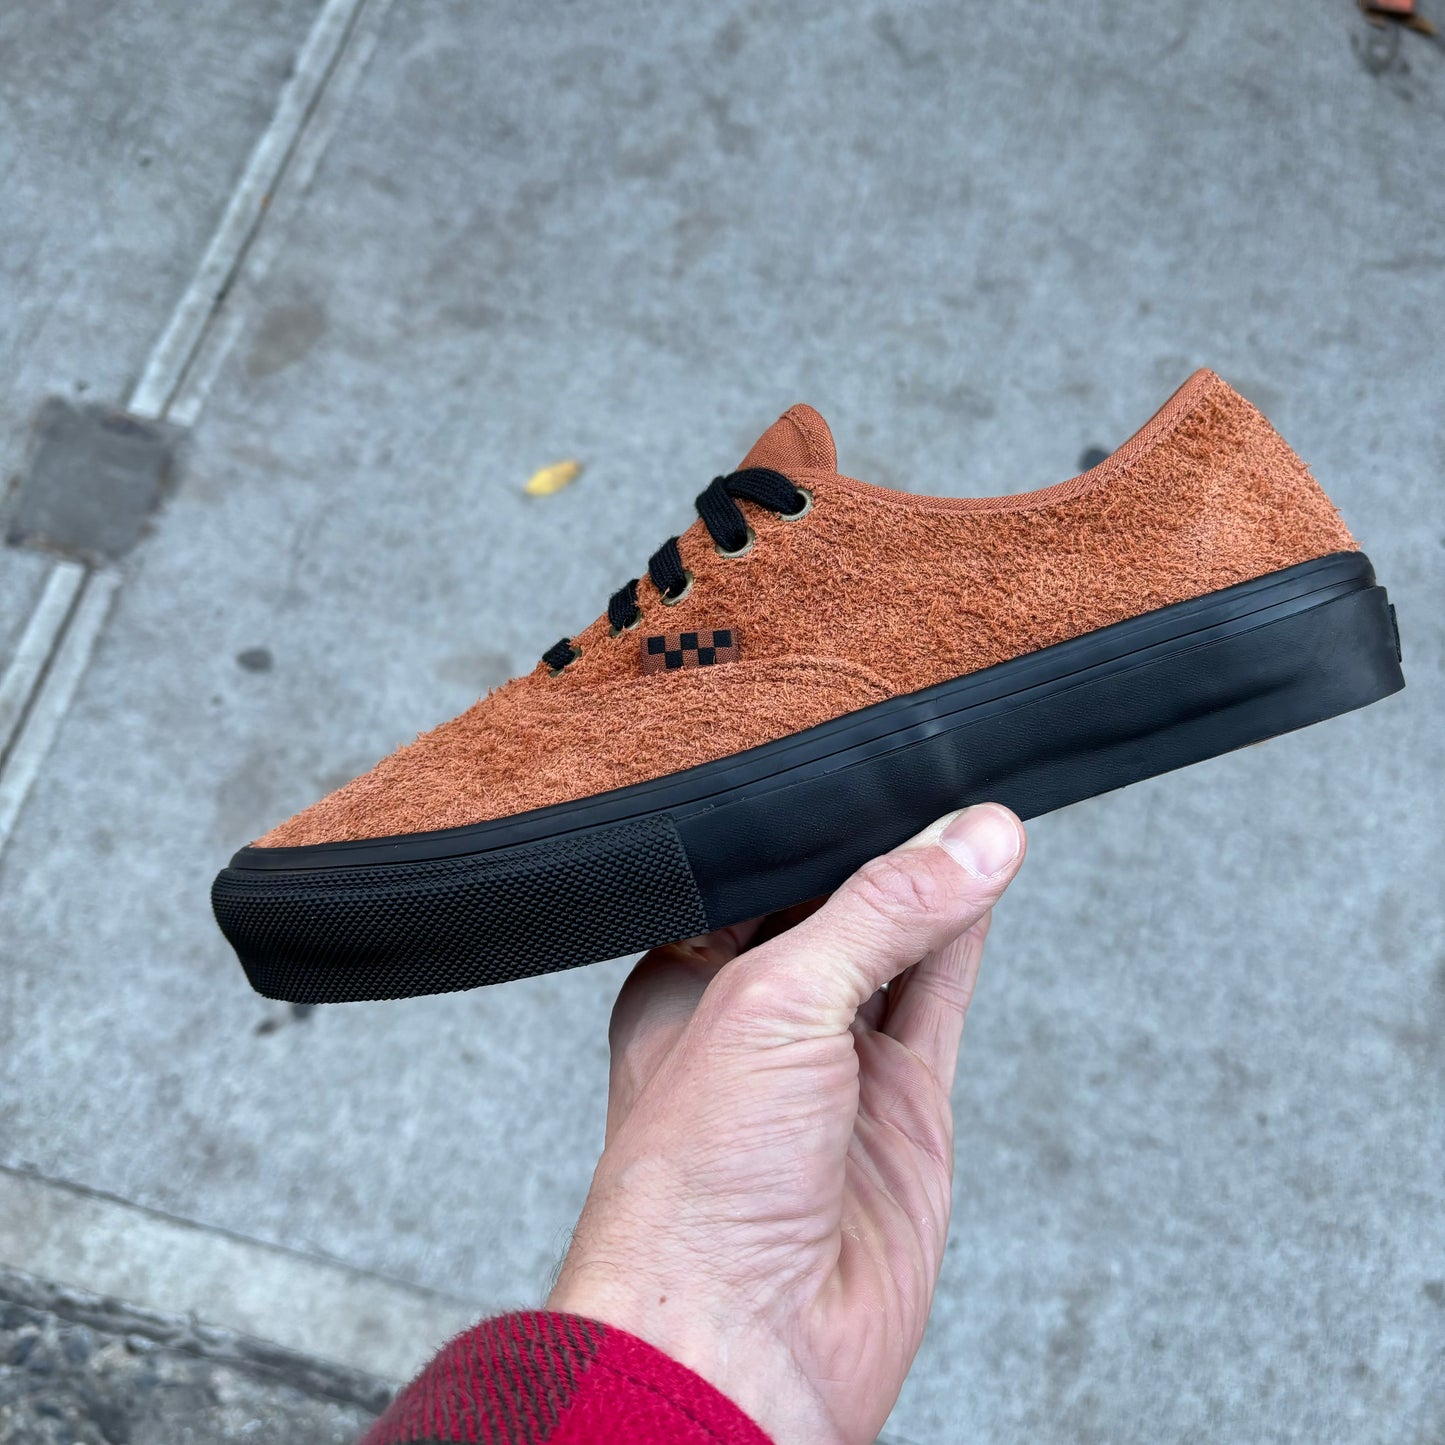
{"x": 538, "y": 1378}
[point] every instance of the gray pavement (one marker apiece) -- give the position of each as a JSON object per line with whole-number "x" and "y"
{"x": 123, "y": 129}
{"x": 1200, "y": 1179}
{"x": 78, "y": 1369}
{"x": 22, "y": 576}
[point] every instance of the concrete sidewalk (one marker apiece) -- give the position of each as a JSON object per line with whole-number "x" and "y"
{"x": 80, "y": 1369}
{"x": 1200, "y": 1178}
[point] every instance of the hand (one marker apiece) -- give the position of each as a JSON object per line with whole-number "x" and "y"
{"x": 772, "y": 1201}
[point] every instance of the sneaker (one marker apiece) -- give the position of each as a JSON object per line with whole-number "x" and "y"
{"x": 816, "y": 669}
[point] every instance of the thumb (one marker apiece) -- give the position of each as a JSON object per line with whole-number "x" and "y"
{"x": 894, "y": 911}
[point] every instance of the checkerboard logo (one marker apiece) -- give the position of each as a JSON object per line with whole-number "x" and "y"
{"x": 674, "y": 651}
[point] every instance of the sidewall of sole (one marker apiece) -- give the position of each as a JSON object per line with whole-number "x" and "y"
{"x": 769, "y": 851}
{"x": 394, "y": 929}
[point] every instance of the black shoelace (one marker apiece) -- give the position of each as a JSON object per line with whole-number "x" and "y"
{"x": 726, "y": 525}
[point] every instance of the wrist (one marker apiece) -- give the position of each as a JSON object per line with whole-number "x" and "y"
{"x": 701, "y": 1329}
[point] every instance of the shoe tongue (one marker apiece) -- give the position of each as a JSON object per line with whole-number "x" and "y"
{"x": 798, "y": 441}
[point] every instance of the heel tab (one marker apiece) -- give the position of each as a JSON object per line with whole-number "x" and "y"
{"x": 1209, "y": 385}
{"x": 1205, "y": 378}
{"x": 1222, "y": 408}
{"x": 1253, "y": 460}
{"x": 1194, "y": 389}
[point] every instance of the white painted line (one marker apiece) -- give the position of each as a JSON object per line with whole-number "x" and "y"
{"x": 50, "y": 701}
{"x": 215, "y": 345}
{"x": 195, "y": 390}
{"x": 46, "y": 668}
{"x": 173, "y": 352}
{"x": 320, "y": 1307}
{"x": 37, "y": 642}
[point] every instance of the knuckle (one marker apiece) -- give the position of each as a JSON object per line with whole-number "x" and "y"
{"x": 764, "y": 998}
{"x": 749, "y": 992}
{"x": 742, "y": 994}
{"x": 899, "y": 890}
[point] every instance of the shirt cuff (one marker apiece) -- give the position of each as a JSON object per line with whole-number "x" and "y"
{"x": 539, "y": 1378}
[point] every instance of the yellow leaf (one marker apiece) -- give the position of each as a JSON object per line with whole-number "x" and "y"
{"x": 552, "y": 479}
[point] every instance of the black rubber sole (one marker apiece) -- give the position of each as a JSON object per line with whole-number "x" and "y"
{"x": 764, "y": 829}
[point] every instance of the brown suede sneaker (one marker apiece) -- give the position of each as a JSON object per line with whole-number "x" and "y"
{"x": 813, "y": 671}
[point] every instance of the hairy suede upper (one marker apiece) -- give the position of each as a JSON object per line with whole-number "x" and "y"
{"x": 873, "y": 593}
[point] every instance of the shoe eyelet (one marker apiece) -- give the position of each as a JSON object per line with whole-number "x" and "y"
{"x": 741, "y": 551}
{"x": 628, "y": 627}
{"x": 558, "y": 671}
{"x": 672, "y": 601}
{"x": 802, "y": 511}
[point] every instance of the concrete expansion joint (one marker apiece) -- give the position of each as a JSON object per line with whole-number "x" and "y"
{"x": 25, "y": 1294}
{"x": 97, "y": 476}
